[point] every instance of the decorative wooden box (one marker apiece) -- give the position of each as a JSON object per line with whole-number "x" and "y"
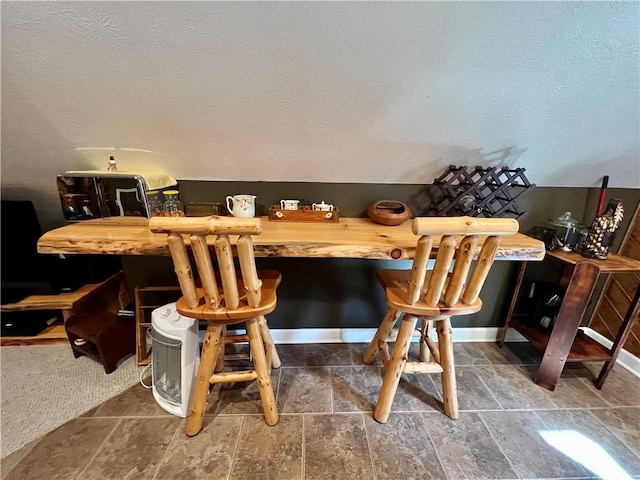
{"x": 303, "y": 214}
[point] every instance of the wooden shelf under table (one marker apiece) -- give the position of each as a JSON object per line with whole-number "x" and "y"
{"x": 566, "y": 342}
{"x": 584, "y": 348}
{"x": 163, "y": 295}
{"x": 52, "y": 335}
{"x": 68, "y": 303}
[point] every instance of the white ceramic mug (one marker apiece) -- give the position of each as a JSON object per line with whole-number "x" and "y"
{"x": 323, "y": 207}
{"x": 242, "y": 205}
{"x": 289, "y": 204}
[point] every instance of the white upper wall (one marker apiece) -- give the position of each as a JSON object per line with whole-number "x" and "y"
{"x": 380, "y": 92}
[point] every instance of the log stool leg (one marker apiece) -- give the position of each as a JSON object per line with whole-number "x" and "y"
{"x": 220, "y": 356}
{"x": 270, "y": 347}
{"x": 449, "y": 388}
{"x": 426, "y": 327}
{"x": 213, "y": 342}
{"x": 381, "y": 336}
{"x": 263, "y": 373}
{"x": 394, "y": 368}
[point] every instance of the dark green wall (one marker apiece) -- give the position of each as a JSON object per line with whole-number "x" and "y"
{"x": 326, "y": 293}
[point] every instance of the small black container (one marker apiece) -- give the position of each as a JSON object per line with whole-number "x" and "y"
{"x": 543, "y": 302}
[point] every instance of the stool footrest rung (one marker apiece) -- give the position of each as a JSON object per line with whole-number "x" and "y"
{"x": 384, "y": 353}
{"x": 422, "y": 367}
{"x": 236, "y": 356}
{"x": 231, "y": 377}
{"x": 236, "y": 338}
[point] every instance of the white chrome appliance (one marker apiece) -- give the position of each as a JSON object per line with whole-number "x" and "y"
{"x": 174, "y": 358}
{"x": 91, "y": 194}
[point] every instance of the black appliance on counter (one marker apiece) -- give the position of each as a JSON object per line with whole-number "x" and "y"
{"x": 91, "y": 194}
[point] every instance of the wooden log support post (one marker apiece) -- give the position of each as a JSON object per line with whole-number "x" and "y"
{"x": 210, "y": 348}
{"x": 481, "y": 270}
{"x": 433, "y": 348}
{"x": 379, "y": 341}
{"x": 263, "y": 373}
{"x": 227, "y": 271}
{"x": 182, "y": 268}
{"x": 466, "y": 250}
{"x": 426, "y": 327}
{"x": 219, "y": 367}
{"x": 449, "y": 388}
{"x": 419, "y": 268}
{"x": 205, "y": 268}
{"x": 273, "y": 359}
{"x": 250, "y": 279}
{"x": 395, "y": 368}
{"x": 440, "y": 270}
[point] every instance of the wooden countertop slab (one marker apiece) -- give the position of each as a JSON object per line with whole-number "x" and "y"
{"x": 349, "y": 238}
{"x": 613, "y": 263}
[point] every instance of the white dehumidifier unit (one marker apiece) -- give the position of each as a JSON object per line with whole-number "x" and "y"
{"x": 174, "y": 358}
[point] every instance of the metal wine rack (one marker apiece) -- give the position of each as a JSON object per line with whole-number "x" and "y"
{"x": 477, "y": 191}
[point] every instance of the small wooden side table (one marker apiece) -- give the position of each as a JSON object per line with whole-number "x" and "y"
{"x": 567, "y": 343}
{"x": 69, "y": 303}
{"x": 148, "y": 299}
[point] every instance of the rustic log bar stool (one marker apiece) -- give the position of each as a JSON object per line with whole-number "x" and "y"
{"x": 434, "y": 296}
{"x": 243, "y": 299}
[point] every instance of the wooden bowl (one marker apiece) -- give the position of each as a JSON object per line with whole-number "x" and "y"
{"x": 389, "y": 212}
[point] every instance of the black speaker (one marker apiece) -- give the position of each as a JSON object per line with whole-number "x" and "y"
{"x": 26, "y": 272}
{"x": 20, "y": 233}
{"x": 67, "y": 273}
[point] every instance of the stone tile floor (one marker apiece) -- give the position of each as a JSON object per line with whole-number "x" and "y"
{"x": 508, "y": 427}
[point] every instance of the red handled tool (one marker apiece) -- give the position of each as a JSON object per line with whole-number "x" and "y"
{"x": 603, "y": 194}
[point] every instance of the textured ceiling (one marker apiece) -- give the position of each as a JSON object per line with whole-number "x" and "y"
{"x": 380, "y": 92}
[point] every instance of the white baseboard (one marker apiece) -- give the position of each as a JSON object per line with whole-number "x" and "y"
{"x": 364, "y": 335}
{"x": 625, "y": 359}
{"x": 478, "y": 334}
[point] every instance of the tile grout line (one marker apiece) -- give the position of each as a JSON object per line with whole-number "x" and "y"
{"x": 95, "y": 454}
{"x": 597, "y": 391}
{"x": 303, "y": 444}
{"x": 531, "y": 381}
{"x": 278, "y": 386}
{"x": 498, "y": 445}
{"x": 219, "y": 402}
{"x": 435, "y": 449}
{"x": 366, "y": 437}
{"x": 166, "y": 452}
{"x": 489, "y": 390}
{"x": 235, "y": 450}
{"x": 622, "y": 441}
{"x": 579, "y": 465}
{"x": 25, "y": 454}
{"x": 333, "y": 407}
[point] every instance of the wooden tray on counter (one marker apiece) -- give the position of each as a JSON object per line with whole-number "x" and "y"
{"x": 303, "y": 214}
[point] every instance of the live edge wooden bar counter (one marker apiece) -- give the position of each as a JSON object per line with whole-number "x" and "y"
{"x": 349, "y": 238}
